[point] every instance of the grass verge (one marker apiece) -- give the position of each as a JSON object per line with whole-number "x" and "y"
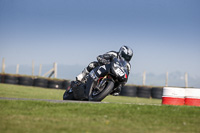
{"x": 36, "y": 116}
{"x": 18, "y": 91}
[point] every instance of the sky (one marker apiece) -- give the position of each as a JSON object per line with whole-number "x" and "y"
{"x": 164, "y": 34}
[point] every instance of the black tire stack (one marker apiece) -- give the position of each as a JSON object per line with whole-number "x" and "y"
{"x": 0, "y": 78}
{"x": 11, "y": 79}
{"x": 40, "y": 82}
{"x": 129, "y": 90}
{"x": 34, "y": 81}
{"x": 144, "y": 91}
{"x": 25, "y": 80}
{"x": 56, "y": 84}
{"x": 157, "y": 92}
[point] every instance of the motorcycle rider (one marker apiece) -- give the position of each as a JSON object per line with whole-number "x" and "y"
{"x": 125, "y": 53}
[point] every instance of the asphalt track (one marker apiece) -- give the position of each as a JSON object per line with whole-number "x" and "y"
{"x": 70, "y": 101}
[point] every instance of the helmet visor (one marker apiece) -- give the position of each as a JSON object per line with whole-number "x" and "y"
{"x": 126, "y": 57}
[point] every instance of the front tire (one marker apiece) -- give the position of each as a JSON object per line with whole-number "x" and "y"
{"x": 106, "y": 91}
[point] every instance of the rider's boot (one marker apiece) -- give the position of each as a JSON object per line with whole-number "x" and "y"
{"x": 82, "y": 75}
{"x": 116, "y": 92}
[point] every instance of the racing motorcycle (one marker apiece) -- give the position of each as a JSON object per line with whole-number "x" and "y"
{"x": 99, "y": 83}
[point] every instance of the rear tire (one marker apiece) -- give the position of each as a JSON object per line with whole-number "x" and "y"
{"x": 68, "y": 95}
{"x": 106, "y": 91}
{"x": 79, "y": 92}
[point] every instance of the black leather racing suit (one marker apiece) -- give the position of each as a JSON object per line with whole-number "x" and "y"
{"x": 104, "y": 59}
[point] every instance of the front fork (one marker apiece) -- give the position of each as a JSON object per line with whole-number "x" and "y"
{"x": 94, "y": 77}
{"x": 101, "y": 82}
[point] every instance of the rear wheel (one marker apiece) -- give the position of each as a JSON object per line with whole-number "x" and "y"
{"x": 68, "y": 95}
{"x": 97, "y": 95}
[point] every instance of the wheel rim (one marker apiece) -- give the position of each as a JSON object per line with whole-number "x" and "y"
{"x": 95, "y": 92}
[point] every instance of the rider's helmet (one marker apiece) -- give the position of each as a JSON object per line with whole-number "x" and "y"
{"x": 126, "y": 53}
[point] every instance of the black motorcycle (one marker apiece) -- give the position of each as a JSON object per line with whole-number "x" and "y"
{"x": 100, "y": 82}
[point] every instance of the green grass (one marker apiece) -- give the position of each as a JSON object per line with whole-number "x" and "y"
{"x": 39, "y": 116}
{"x": 18, "y": 91}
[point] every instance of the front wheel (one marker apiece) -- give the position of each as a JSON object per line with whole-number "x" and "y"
{"x": 95, "y": 96}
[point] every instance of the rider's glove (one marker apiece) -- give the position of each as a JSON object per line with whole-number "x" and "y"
{"x": 104, "y": 61}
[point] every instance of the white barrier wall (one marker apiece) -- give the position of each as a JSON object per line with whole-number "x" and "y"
{"x": 173, "y": 96}
{"x": 181, "y": 96}
{"x": 192, "y": 96}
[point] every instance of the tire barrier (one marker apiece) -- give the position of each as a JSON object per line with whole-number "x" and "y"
{"x": 192, "y": 96}
{"x": 27, "y": 81}
{"x": 144, "y": 91}
{"x": 157, "y": 92}
{"x": 34, "y": 81}
{"x": 1, "y": 78}
{"x": 56, "y": 84}
{"x": 173, "y": 96}
{"x": 130, "y": 91}
{"x": 40, "y": 82}
{"x": 11, "y": 79}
